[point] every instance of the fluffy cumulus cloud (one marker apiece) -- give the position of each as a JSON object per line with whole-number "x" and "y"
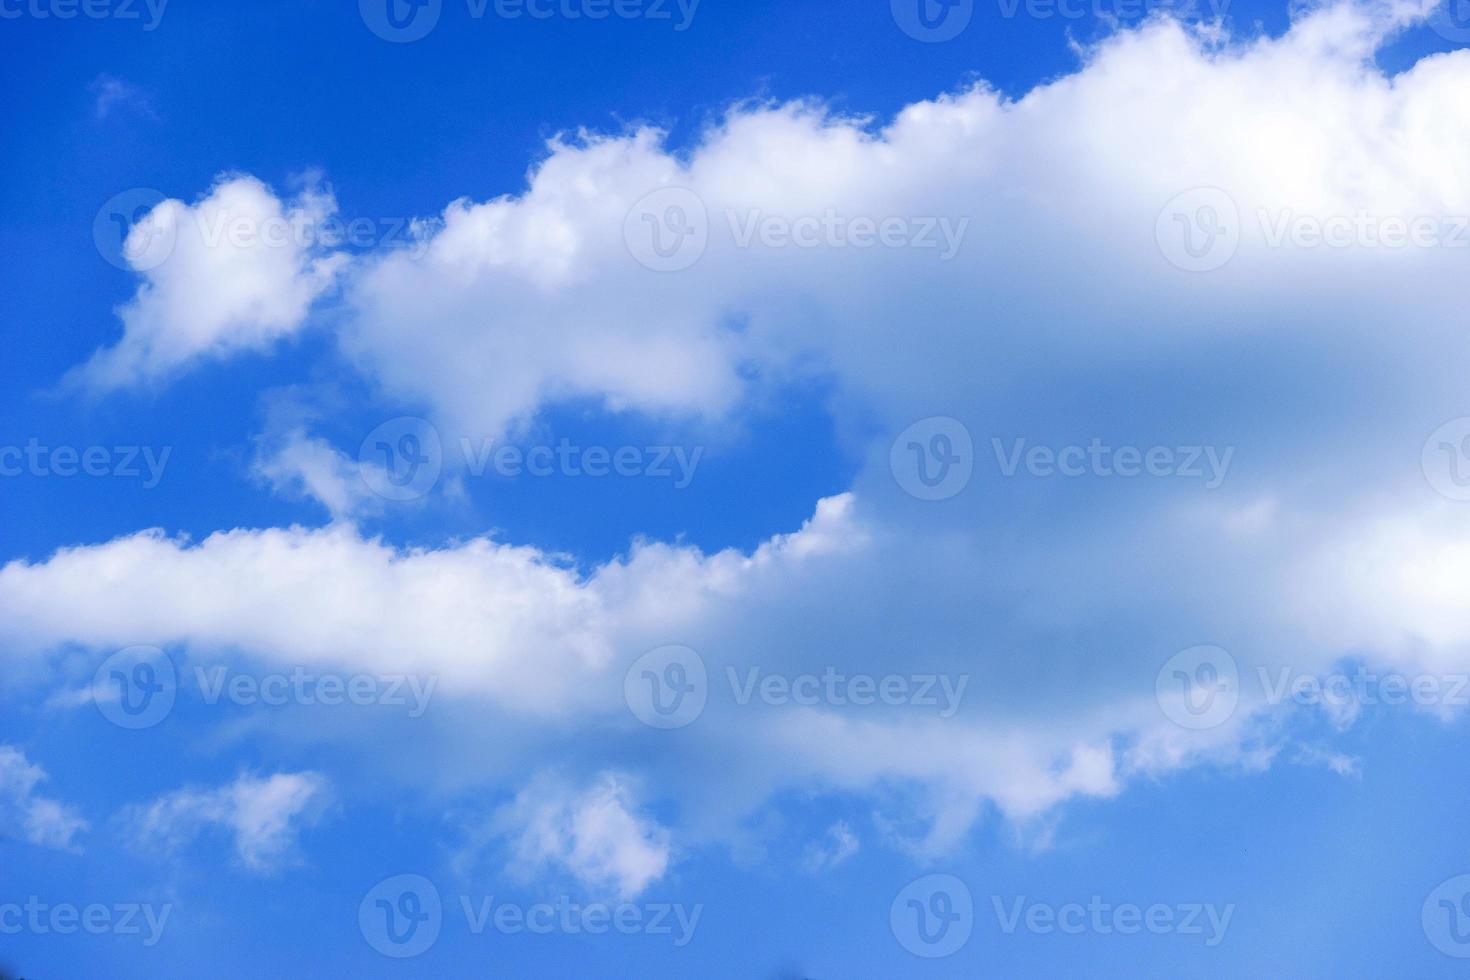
{"x": 594, "y": 833}
{"x": 26, "y": 814}
{"x": 262, "y": 816}
{"x": 1122, "y": 259}
{"x": 235, "y": 271}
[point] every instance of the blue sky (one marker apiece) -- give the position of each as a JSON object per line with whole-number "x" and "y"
{"x": 746, "y": 488}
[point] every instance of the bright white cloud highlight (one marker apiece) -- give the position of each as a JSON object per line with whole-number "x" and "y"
{"x": 236, "y": 271}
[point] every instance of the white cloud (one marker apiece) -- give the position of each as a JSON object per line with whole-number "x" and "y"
{"x": 301, "y": 465}
{"x": 115, "y": 93}
{"x": 236, "y": 271}
{"x": 1061, "y": 320}
{"x": 833, "y": 849}
{"x": 595, "y": 833}
{"x": 489, "y": 618}
{"x": 26, "y": 814}
{"x": 264, "y": 815}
